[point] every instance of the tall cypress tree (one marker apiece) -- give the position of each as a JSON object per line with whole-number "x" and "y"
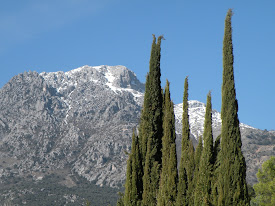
{"x": 197, "y": 158}
{"x": 203, "y": 189}
{"x": 215, "y": 173}
{"x": 172, "y": 175}
{"x": 232, "y": 176}
{"x": 168, "y": 180}
{"x": 186, "y": 168}
{"x": 128, "y": 184}
{"x": 137, "y": 172}
{"x": 151, "y": 127}
{"x": 133, "y": 184}
{"x": 151, "y": 116}
{"x": 190, "y": 171}
{"x": 145, "y": 120}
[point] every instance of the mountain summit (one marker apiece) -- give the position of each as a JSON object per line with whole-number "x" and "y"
{"x": 80, "y": 123}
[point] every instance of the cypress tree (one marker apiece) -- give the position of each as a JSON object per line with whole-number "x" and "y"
{"x": 133, "y": 184}
{"x": 190, "y": 170}
{"x": 146, "y": 116}
{"x": 136, "y": 173}
{"x": 203, "y": 189}
{"x": 151, "y": 116}
{"x": 232, "y": 176}
{"x": 151, "y": 127}
{"x": 150, "y": 177}
{"x": 186, "y": 167}
{"x": 197, "y": 158}
{"x": 128, "y": 183}
{"x": 215, "y": 173}
{"x": 172, "y": 175}
{"x": 168, "y": 180}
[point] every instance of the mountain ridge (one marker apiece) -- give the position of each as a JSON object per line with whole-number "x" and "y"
{"x": 80, "y": 122}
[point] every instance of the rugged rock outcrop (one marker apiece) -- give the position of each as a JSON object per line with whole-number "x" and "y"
{"x": 80, "y": 123}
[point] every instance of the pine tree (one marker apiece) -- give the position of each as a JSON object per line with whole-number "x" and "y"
{"x": 168, "y": 180}
{"x": 203, "y": 189}
{"x": 151, "y": 127}
{"x": 232, "y": 175}
{"x": 186, "y": 168}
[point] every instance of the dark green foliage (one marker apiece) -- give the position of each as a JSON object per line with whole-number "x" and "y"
{"x": 182, "y": 187}
{"x": 190, "y": 169}
{"x": 203, "y": 189}
{"x": 172, "y": 175}
{"x": 197, "y": 159}
{"x": 120, "y": 201}
{"x": 187, "y": 156}
{"x": 136, "y": 173}
{"x": 133, "y": 184}
{"x": 151, "y": 116}
{"x": 151, "y": 127}
{"x": 150, "y": 178}
{"x": 216, "y": 167}
{"x": 128, "y": 183}
{"x": 232, "y": 175}
{"x": 168, "y": 179}
{"x": 251, "y": 191}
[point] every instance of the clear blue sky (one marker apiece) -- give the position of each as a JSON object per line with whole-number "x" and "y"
{"x": 65, "y": 34}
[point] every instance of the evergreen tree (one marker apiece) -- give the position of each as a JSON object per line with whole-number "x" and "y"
{"x": 133, "y": 184}
{"x": 172, "y": 175}
{"x": 150, "y": 177}
{"x": 136, "y": 173}
{"x": 168, "y": 179}
{"x": 186, "y": 168}
{"x": 232, "y": 175}
{"x": 197, "y": 158}
{"x": 128, "y": 183}
{"x": 215, "y": 173}
{"x": 203, "y": 189}
{"x": 265, "y": 188}
{"x": 190, "y": 170}
{"x": 151, "y": 116}
{"x": 120, "y": 201}
{"x": 151, "y": 127}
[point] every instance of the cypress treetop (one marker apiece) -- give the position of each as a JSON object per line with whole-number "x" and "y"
{"x": 151, "y": 127}
{"x": 186, "y": 168}
{"x": 232, "y": 175}
{"x": 203, "y": 189}
{"x": 168, "y": 180}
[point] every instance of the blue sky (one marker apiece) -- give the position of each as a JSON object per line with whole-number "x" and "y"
{"x": 62, "y": 35}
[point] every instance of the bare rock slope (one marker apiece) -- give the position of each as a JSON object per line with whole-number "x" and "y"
{"x": 80, "y": 123}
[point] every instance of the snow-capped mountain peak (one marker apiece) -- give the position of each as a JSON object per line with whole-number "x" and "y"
{"x": 117, "y": 78}
{"x": 196, "y": 111}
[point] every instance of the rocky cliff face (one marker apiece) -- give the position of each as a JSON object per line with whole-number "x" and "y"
{"x": 80, "y": 123}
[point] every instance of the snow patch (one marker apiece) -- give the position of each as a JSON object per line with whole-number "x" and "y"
{"x": 196, "y": 112}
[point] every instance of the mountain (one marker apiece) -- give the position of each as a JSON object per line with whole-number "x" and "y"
{"x": 74, "y": 128}
{"x": 257, "y": 145}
